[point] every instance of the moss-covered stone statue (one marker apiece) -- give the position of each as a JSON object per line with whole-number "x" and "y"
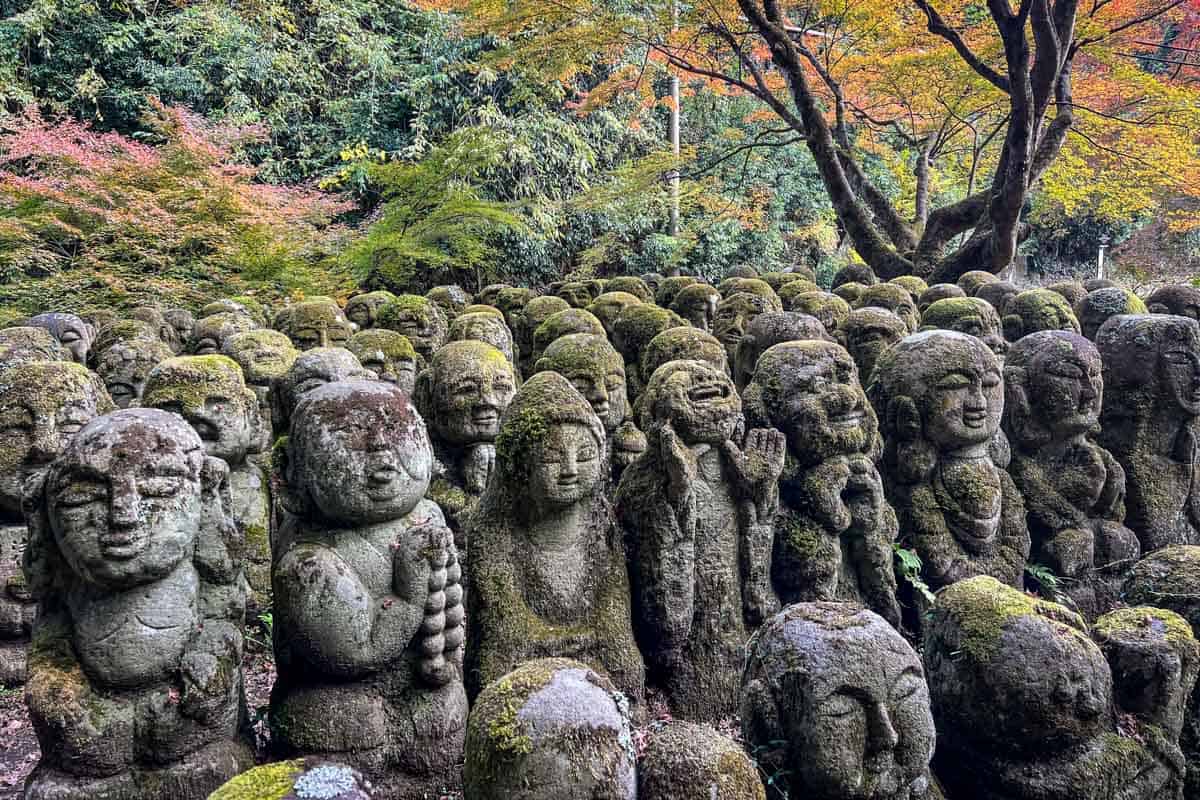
{"x": 913, "y": 284}
{"x": 633, "y": 331}
{"x": 766, "y": 331}
{"x": 972, "y": 280}
{"x": 368, "y": 605}
{"x": 265, "y": 356}
{"x": 630, "y": 284}
{"x": 734, "y": 315}
{"x": 1099, "y": 306}
{"x": 43, "y": 404}
{"x": 419, "y": 319}
{"x": 683, "y": 344}
{"x": 22, "y": 344}
{"x": 452, "y": 299}
{"x": 938, "y": 291}
{"x": 789, "y": 291}
{"x": 834, "y": 530}
{"x": 1149, "y": 422}
{"x": 997, "y": 294}
{"x": 72, "y": 333}
{"x": 183, "y": 321}
{"x": 166, "y": 331}
{"x": 867, "y": 333}
{"x": 851, "y": 292}
{"x": 835, "y": 706}
{"x": 124, "y": 368}
{"x": 484, "y": 328}
{"x": 830, "y": 309}
{"x": 892, "y": 298}
{"x": 123, "y": 331}
{"x": 670, "y": 288}
{"x": 135, "y": 681}
{"x": 577, "y": 294}
{"x": 939, "y": 396}
{"x": 549, "y": 730}
{"x": 1074, "y": 490}
{"x": 319, "y": 323}
{"x": 512, "y": 301}
{"x": 697, "y": 303}
{"x": 970, "y": 315}
{"x": 1182, "y": 300}
{"x": 1036, "y": 310}
{"x": 488, "y": 294}
{"x": 389, "y": 355}
{"x": 210, "y": 393}
{"x": 1029, "y": 706}
{"x": 532, "y": 315}
{"x": 686, "y": 761}
{"x": 311, "y": 370}
{"x": 546, "y": 567}
{"x": 363, "y": 310}
{"x": 564, "y": 323}
{"x": 461, "y": 395}
{"x": 1072, "y": 291}
{"x": 211, "y": 332}
{"x": 855, "y": 273}
{"x": 608, "y": 306}
{"x": 698, "y": 514}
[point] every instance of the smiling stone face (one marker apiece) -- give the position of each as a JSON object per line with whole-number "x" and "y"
{"x": 363, "y": 309}
{"x": 1059, "y": 377}
{"x": 389, "y": 355}
{"x": 123, "y": 500}
{"x": 360, "y": 451}
{"x": 211, "y": 395}
{"x": 596, "y": 371}
{"x": 72, "y": 333}
{"x": 417, "y": 318}
{"x": 868, "y": 332}
{"x": 1152, "y": 362}
{"x": 317, "y": 323}
{"x": 211, "y": 332}
{"x": 734, "y": 315}
{"x": 698, "y": 400}
{"x": 465, "y": 390}
{"x": 125, "y": 367}
{"x": 697, "y": 303}
{"x": 263, "y": 355}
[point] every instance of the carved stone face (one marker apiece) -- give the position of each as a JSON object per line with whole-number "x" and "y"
{"x": 698, "y": 400}
{"x": 567, "y": 465}
{"x": 211, "y": 332}
{"x": 683, "y": 344}
{"x": 1038, "y": 310}
{"x": 24, "y": 344}
{"x": 263, "y": 355}
{"x": 1180, "y": 300}
{"x": 972, "y": 316}
{"x": 312, "y": 370}
{"x": 360, "y": 452}
{"x": 830, "y": 309}
{"x": 997, "y": 294}
{"x": 564, "y": 323}
{"x": 810, "y": 391}
{"x": 868, "y": 332}
{"x": 1179, "y": 376}
{"x": 734, "y": 314}
{"x": 418, "y": 319}
{"x": 450, "y": 299}
{"x": 389, "y": 355}
{"x": 1152, "y": 363}
{"x": 210, "y": 393}
{"x": 125, "y": 367}
{"x": 72, "y": 333}
{"x": 535, "y": 312}
{"x": 596, "y": 371}
{"x": 576, "y": 293}
{"x": 165, "y": 330}
{"x": 971, "y": 281}
{"x": 855, "y": 273}
{"x": 124, "y": 498}
{"x": 851, "y": 714}
{"x": 317, "y": 323}
{"x": 939, "y": 291}
{"x": 608, "y": 306}
{"x": 697, "y": 303}
{"x": 511, "y": 301}
{"x": 485, "y": 328}
{"x": 670, "y": 287}
{"x": 362, "y": 310}
{"x": 470, "y": 384}
{"x": 1096, "y": 309}
{"x": 43, "y": 404}
{"x": 183, "y": 321}
{"x": 1062, "y": 379}
{"x": 893, "y": 298}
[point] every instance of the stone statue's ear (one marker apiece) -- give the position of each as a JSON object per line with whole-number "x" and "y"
{"x": 1157, "y": 308}
{"x": 423, "y": 394}
{"x": 41, "y": 558}
{"x": 290, "y": 491}
{"x": 1016, "y": 401}
{"x": 905, "y": 418}
{"x": 260, "y": 427}
{"x": 1012, "y": 327}
{"x": 542, "y": 365}
{"x": 761, "y": 721}
{"x": 104, "y": 402}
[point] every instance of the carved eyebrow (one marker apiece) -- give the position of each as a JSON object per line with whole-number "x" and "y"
{"x": 78, "y": 472}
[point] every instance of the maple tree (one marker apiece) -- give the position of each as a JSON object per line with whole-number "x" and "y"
{"x": 971, "y": 103}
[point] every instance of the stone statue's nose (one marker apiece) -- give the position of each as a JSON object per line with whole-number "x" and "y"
{"x": 882, "y": 734}
{"x": 124, "y": 505}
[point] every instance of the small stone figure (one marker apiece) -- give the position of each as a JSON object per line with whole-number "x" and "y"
{"x": 565, "y": 323}
{"x": 368, "y": 605}
{"x": 851, "y": 292}
{"x": 265, "y": 356}
{"x": 211, "y": 332}
{"x": 1072, "y": 291}
{"x": 1038, "y": 310}
{"x": 939, "y": 396}
{"x": 735, "y": 313}
{"x": 970, "y": 281}
{"x": 789, "y": 291}
{"x": 685, "y": 761}
{"x": 552, "y": 729}
{"x": 311, "y": 370}
{"x": 1181, "y": 300}
{"x": 997, "y": 294}
{"x": 23, "y": 344}
{"x": 893, "y": 298}
{"x": 183, "y": 321}
{"x": 72, "y": 333}
{"x": 834, "y": 704}
{"x": 166, "y": 331}
{"x": 124, "y": 369}
{"x": 867, "y": 333}
{"x": 697, "y": 303}
{"x": 830, "y": 309}
{"x": 1029, "y": 707}
{"x": 450, "y": 299}
{"x": 608, "y": 306}
{"x": 766, "y": 331}
{"x": 1074, "y": 490}
{"x": 484, "y": 328}
{"x": 546, "y": 566}
{"x": 121, "y": 331}
{"x": 916, "y": 286}
{"x": 670, "y": 288}
{"x": 1148, "y": 422}
{"x": 417, "y": 318}
{"x": 363, "y": 310}
{"x": 938, "y": 291}
{"x": 488, "y": 294}
{"x": 1097, "y": 307}
{"x": 135, "y": 680}
{"x": 389, "y": 355}
{"x": 855, "y": 273}
{"x": 633, "y": 331}
{"x": 698, "y": 514}
{"x": 972, "y": 316}
{"x": 630, "y": 285}
{"x": 834, "y": 530}
{"x": 43, "y": 404}
{"x": 317, "y": 323}
{"x": 576, "y": 293}
{"x": 534, "y": 313}
{"x": 462, "y": 395}
{"x": 512, "y": 301}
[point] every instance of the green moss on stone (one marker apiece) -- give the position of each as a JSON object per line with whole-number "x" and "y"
{"x": 268, "y": 782}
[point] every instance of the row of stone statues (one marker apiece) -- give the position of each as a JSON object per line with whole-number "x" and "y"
{"x": 666, "y": 488}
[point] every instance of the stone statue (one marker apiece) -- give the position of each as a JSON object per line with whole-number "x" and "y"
{"x": 1036, "y": 310}
{"x": 892, "y": 298}
{"x": 683, "y": 344}
{"x": 670, "y": 287}
{"x": 1148, "y": 422}
{"x": 166, "y": 331}
{"x": 938, "y": 291}
{"x": 417, "y": 318}
{"x": 830, "y": 309}
{"x": 1097, "y": 307}
{"x": 766, "y": 331}
{"x": 265, "y": 356}
{"x": 125, "y": 331}
{"x": 183, "y": 321}
{"x": 461, "y": 396}
{"x": 698, "y": 514}
{"x": 685, "y": 761}
{"x": 72, "y": 333}
{"x": 318, "y": 323}
{"x": 210, "y": 393}
{"x": 970, "y": 281}
{"x": 851, "y": 292}
{"x": 855, "y": 273}
{"x": 363, "y": 310}
{"x": 834, "y": 530}
{"x": 835, "y": 706}
{"x": 368, "y": 603}
{"x": 633, "y": 331}
{"x": 484, "y": 328}
{"x": 735, "y": 313}
{"x": 535, "y": 312}
{"x": 608, "y": 306}
{"x": 546, "y": 565}
{"x": 389, "y": 355}
{"x": 311, "y": 370}
{"x": 697, "y": 303}
{"x": 577, "y": 294}
{"x": 488, "y": 294}
{"x": 652, "y": 280}
{"x": 867, "y": 333}
{"x": 243, "y": 306}
{"x": 43, "y": 404}
{"x": 551, "y": 729}
{"x": 211, "y": 332}
{"x": 124, "y": 368}
{"x": 1072, "y": 291}
{"x": 755, "y": 286}
{"x": 450, "y": 299}
{"x": 23, "y": 344}
{"x": 631, "y": 285}
{"x": 1029, "y": 707}
{"x": 939, "y": 396}
{"x": 970, "y": 315}
{"x": 135, "y": 680}
{"x": 997, "y": 294}
{"x": 1074, "y": 490}
{"x": 564, "y": 323}
{"x": 915, "y": 286}
{"x": 512, "y": 301}
{"x": 1182, "y": 300}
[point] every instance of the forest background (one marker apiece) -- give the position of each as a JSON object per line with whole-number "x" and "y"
{"x": 179, "y": 150}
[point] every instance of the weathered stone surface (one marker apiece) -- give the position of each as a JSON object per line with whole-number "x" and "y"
{"x": 417, "y": 318}
{"x": 319, "y": 323}
{"x": 525, "y": 322}
{"x": 311, "y": 370}
{"x": 1097, "y": 307}
{"x": 892, "y": 298}
{"x": 830, "y": 309}
{"x": 685, "y": 761}
{"x": 670, "y": 287}
{"x": 916, "y": 286}
{"x": 484, "y": 328}
{"x": 210, "y": 333}
{"x": 1036, "y": 310}
{"x": 970, "y": 315}
{"x": 22, "y": 344}
{"x": 297, "y": 779}
{"x": 630, "y": 285}
{"x": 867, "y": 333}
{"x": 633, "y": 331}
{"x": 608, "y": 306}
{"x": 734, "y": 315}
{"x": 939, "y": 291}
{"x": 768, "y": 330}
{"x": 451, "y": 299}
{"x": 389, "y": 355}
{"x": 855, "y": 273}
{"x": 1073, "y": 291}
{"x": 124, "y": 368}
{"x": 1179, "y": 299}
{"x": 997, "y": 294}
{"x": 363, "y": 311}
{"x": 564, "y": 323}
{"x": 697, "y": 303}
{"x": 970, "y": 281}
{"x": 835, "y": 706}
{"x": 72, "y": 333}
{"x": 368, "y": 605}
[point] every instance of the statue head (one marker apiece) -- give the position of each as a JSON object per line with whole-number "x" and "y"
{"x": 450, "y": 299}
{"x": 357, "y": 454}
{"x": 1036, "y": 310}
{"x": 1151, "y": 365}
{"x": 317, "y": 323}
{"x": 530, "y": 318}
{"x": 1072, "y": 291}
{"x": 630, "y": 285}
{"x": 1053, "y": 388}
{"x": 311, "y": 370}
{"x": 830, "y": 309}
{"x": 855, "y": 273}
{"x": 512, "y": 300}
{"x": 126, "y": 366}
{"x": 123, "y": 503}
{"x": 595, "y": 369}
{"x": 652, "y": 280}
{"x": 126, "y": 331}
{"x": 667, "y": 290}
{"x": 1097, "y": 307}
{"x": 183, "y": 321}
{"x": 836, "y": 700}
{"x": 264, "y": 355}
{"x": 23, "y": 344}
{"x": 892, "y": 298}
{"x": 810, "y": 391}
{"x": 637, "y": 325}
{"x": 564, "y": 323}
{"x": 417, "y": 318}
{"x": 768, "y": 330}
{"x": 464, "y": 391}
{"x": 488, "y": 294}
{"x": 793, "y": 289}
{"x": 362, "y": 310}
{"x": 939, "y": 291}
{"x": 696, "y": 399}
{"x": 912, "y": 284}
{"x": 211, "y": 394}
{"x": 682, "y": 344}
{"x": 389, "y": 355}
{"x": 483, "y": 328}
{"x": 997, "y": 294}
{"x": 577, "y": 294}
{"x": 243, "y": 306}
{"x": 166, "y": 331}
{"x": 970, "y": 281}
{"x": 72, "y": 333}
{"x": 42, "y": 405}
{"x": 211, "y": 332}
{"x": 734, "y": 315}
{"x": 1182, "y": 300}
{"x": 608, "y": 306}
{"x": 867, "y": 333}
{"x": 697, "y": 303}
{"x": 970, "y": 315}
{"x": 851, "y": 292}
